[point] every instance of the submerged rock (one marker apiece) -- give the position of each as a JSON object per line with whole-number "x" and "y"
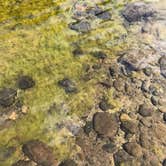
{"x": 137, "y": 11}
{"x": 145, "y": 110}
{"x": 98, "y": 12}
{"x": 24, "y": 163}
{"x": 39, "y": 152}
{"x": 68, "y": 162}
{"x": 121, "y": 157}
{"x": 81, "y": 26}
{"x": 105, "y": 124}
{"x": 68, "y": 85}
{"x": 7, "y": 96}
{"x": 26, "y": 82}
{"x": 99, "y": 55}
{"x": 162, "y": 63}
{"x": 129, "y": 127}
{"x": 133, "y": 149}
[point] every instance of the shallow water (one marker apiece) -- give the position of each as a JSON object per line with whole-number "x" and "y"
{"x": 35, "y": 40}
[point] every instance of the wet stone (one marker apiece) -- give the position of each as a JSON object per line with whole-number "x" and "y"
{"x": 7, "y": 96}
{"x": 88, "y": 127}
{"x": 68, "y": 85}
{"x": 77, "y": 52}
{"x": 104, "y": 105}
{"x": 110, "y": 147}
{"x": 162, "y": 63}
{"x": 164, "y": 116}
{"x": 121, "y": 157}
{"x": 105, "y": 124}
{"x": 68, "y": 162}
{"x": 99, "y": 55}
{"x": 154, "y": 100}
{"x": 25, "y": 82}
{"x": 24, "y": 163}
{"x": 39, "y": 152}
{"x": 164, "y": 162}
{"x": 98, "y": 12}
{"x": 144, "y": 140}
{"x": 137, "y": 11}
{"x": 129, "y": 127}
{"x": 133, "y": 149}
{"x": 145, "y": 110}
{"x": 147, "y": 71}
{"x": 119, "y": 84}
{"x": 82, "y": 26}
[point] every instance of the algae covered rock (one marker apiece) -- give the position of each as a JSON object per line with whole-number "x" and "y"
{"x": 7, "y": 96}
{"x": 68, "y": 162}
{"x": 162, "y": 63}
{"x": 24, "y": 163}
{"x": 39, "y": 152}
{"x": 137, "y": 11}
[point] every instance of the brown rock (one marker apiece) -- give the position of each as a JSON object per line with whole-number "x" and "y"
{"x": 133, "y": 149}
{"x": 39, "y": 152}
{"x": 105, "y": 124}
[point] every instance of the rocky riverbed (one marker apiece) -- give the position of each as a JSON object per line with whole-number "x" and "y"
{"x": 83, "y": 83}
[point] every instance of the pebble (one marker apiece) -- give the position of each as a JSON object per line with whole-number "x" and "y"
{"x": 136, "y": 11}
{"x": 164, "y": 116}
{"x": 133, "y": 149}
{"x": 129, "y": 127}
{"x": 88, "y": 127}
{"x": 104, "y": 105}
{"x": 7, "y": 96}
{"x": 81, "y": 26}
{"x": 105, "y": 124}
{"x": 98, "y": 12}
{"x": 145, "y": 110}
{"x": 121, "y": 158}
{"x": 110, "y": 147}
{"x": 154, "y": 100}
{"x": 39, "y": 152}
{"x": 119, "y": 84}
{"x": 24, "y": 163}
{"x": 99, "y": 55}
{"x": 25, "y": 82}
{"x": 68, "y": 85}
{"x": 162, "y": 62}
{"x": 147, "y": 71}
{"x": 68, "y": 162}
{"x": 164, "y": 162}
{"x": 78, "y": 52}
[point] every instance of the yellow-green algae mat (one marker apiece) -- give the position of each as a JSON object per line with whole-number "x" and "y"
{"x": 35, "y": 40}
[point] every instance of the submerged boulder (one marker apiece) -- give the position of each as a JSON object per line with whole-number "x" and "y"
{"x": 137, "y": 11}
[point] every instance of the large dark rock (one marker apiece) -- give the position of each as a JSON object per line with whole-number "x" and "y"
{"x": 7, "y": 96}
{"x": 137, "y": 11}
{"x": 39, "y": 152}
{"x": 25, "y": 82}
{"x": 162, "y": 63}
{"x": 105, "y": 124}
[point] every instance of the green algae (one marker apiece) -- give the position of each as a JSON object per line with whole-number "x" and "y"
{"x": 35, "y": 40}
